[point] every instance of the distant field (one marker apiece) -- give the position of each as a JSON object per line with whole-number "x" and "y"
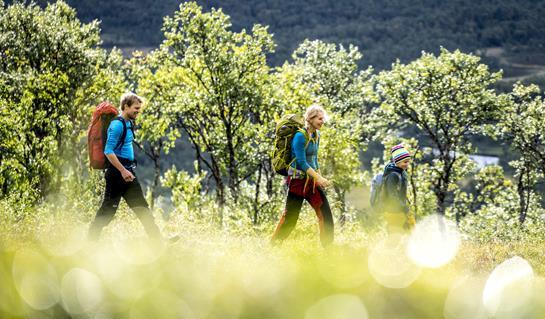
{"x": 518, "y": 63}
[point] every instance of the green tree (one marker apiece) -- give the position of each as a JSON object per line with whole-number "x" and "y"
{"x": 490, "y": 211}
{"x": 187, "y": 192}
{"x": 47, "y": 58}
{"x": 328, "y": 75}
{"x": 521, "y": 124}
{"x": 224, "y": 103}
{"x": 108, "y": 84}
{"x": 447, "y": 98}
{"x": 489, "y": 188}
{"x": 157, "y": 129}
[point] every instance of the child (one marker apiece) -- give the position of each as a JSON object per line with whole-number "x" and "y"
{"x": 394, "y": 190}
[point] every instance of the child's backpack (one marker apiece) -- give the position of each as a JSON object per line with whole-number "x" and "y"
{"x": 286, "y": 128}
{"x": 97, "y": 134}
{"x": 376, "y": 190}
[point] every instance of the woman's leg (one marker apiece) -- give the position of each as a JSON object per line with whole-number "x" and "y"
{"x": 289, "y": 217}
{"x": 325, "y": 220}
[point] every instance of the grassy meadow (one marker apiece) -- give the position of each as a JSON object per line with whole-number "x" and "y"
{"x": 49, "y": 270}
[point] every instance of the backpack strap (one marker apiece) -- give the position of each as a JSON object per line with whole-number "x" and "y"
{"x": 306, "y": 135}
{"x": 124, "y": 134}
{"x": 398, "y": 176}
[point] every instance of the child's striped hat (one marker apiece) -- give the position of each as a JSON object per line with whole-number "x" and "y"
{"x": 399, "y": 153}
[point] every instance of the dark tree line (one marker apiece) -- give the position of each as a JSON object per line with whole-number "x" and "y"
{"x": 383, "y": 30}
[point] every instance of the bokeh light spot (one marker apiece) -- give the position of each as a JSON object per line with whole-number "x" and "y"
{"x": 508, "y": 289}
{"x": 81, "y": 291}
{"x": 341, "y": 306}
{"x": 389, "y": 264}
{"x": 35, "y": 279}
{"x": 464, "y": 299}
{"x": 434, "y": 242}
{"x": 139, "y": 251}
{"x": 66, "y": 242}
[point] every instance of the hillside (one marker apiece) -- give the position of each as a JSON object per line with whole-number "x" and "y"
{"x": 383, "y": 30}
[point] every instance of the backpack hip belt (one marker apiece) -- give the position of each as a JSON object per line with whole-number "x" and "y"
{"x": 296, "y": 173}
{"x": 127, "y": 163}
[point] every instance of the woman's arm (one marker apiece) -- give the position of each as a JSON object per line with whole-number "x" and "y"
{"x": 298, "y": 144}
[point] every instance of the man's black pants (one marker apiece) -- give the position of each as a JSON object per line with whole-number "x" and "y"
{"x": 117, "y": 187}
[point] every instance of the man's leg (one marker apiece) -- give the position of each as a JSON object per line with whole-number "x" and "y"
{"x": 325, "y": 220}
{"x": 289, "y": 217}
{"x": 112, "y": 195}
{"x": 136, "y": 201}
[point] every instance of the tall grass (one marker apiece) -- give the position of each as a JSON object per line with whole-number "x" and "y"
{"x": 48, "y": 269}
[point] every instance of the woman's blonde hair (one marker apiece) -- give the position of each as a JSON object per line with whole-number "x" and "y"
{"x": 313, "y": 111}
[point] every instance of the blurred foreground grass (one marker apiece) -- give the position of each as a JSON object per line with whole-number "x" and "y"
{"x": 49, "y": 270}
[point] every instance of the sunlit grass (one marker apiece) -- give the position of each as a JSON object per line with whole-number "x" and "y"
{"x": 51, "y": 271}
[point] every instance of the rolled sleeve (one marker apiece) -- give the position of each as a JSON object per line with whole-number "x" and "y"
{"x": 298, "y": 145}
{"x": 317, "y": 152}
{"x": 115, "y": 130}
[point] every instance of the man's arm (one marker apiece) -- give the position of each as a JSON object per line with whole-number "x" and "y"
{"x": 115, "y": 132}
{"x": 125, "y": 173}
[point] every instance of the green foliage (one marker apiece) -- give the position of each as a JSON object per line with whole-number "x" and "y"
{"x": 490, "y": 210}
{"x": 448, "y": 98}
{"x": 223, "y": 99}
{"x": 210, "y": 83}
{"x": 521, "y": 124}
{"x": 48, "y": 58}
{"x": 156, "y": 83}
{"x": 329, "y": 75}
{"x": 187, "y": 192}
{"x": 237, "y": 274}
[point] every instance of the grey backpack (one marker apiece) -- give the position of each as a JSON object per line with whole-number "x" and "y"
{"x": 376, "y": 190}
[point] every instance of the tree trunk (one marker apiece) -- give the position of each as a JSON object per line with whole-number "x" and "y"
{"x": 220, "y": 199}
{"x": 340, "y": 194}
{"x": 256, "y": 199}
{"x": 441, "y": 190}
{"x": 233, "y": 175}
{"x": 269, "y": 175}
{"x": 522, "y": 190}
{"x": 220, "y": 190}
{"x": 156, "y": 176}
{"x": 441, "y": 203}
{"x": 414, "y": 203}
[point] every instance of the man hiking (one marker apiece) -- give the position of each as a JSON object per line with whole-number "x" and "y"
{"x": 121, "y": 180}
{"x": 305, "y": 181}
{"x": 394, "y": 191}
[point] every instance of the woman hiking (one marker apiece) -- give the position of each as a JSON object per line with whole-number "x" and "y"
{"x": 394, "y": 193}
{"x": 305, "y": 181}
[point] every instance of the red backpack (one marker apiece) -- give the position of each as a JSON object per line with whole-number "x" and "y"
{"x": 98, "y": 133}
